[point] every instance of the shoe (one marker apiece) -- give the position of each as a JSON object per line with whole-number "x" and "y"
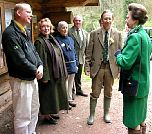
{"x": 82, "y": 94}
{"x": 133, "y": 131}
{"x": 55, "y": 116}
{"x": 73, "y": 96}
{"x": 72, "y": 104}
{"x": 143, "y": 129}
{"x": 69, "y": 108}
{"x": 50, "y": 121}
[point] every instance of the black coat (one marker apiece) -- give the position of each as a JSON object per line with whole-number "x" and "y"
{"x": 21, "y": 56}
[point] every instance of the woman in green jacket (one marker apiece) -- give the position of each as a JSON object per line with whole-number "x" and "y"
{"x": 134, "y": 58}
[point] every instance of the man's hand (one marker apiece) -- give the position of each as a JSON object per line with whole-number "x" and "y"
{"x": 39, "y": 72}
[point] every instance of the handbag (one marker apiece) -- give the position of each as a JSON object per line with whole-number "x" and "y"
{"x": 127, "y": 85}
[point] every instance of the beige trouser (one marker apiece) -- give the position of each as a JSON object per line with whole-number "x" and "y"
{"x": 25, "y": 105}
{"x": 104, "y": 79}
{"x": 69, "y": 86}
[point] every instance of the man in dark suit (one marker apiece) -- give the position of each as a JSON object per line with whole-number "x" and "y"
{"x": 80, "y": 38}
{"x": 100, "y": 63}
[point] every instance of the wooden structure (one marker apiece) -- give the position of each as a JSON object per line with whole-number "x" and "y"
{"x": 54, "y": 9}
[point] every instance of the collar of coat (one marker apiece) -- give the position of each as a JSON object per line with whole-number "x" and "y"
{"x": 111, "y": 35}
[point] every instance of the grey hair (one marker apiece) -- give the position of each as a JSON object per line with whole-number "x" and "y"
{"x": 78, "y": 16}
{"x": 61, "y": 24}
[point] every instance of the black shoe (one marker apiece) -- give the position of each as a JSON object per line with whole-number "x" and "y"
{"x": 69, "y": 108}
{"x": 73, "y": 96}
{"x": 50, "y": 121}
{"x": 72, "y": 104}
{"x": 55, "y": 116}
{"x": 82, "y": 94}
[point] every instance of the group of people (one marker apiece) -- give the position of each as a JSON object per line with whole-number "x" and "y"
{"x": 61, "y": 65}
{"x": 49, "y": 72}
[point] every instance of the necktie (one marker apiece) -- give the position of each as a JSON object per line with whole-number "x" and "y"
{"x": 105, "y": 49}
{"x": 78, "y": 34}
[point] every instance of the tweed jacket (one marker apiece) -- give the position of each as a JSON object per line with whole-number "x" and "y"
{"x": 80, "y": 48}
{"x": 136, "y": 51}
{"x": 94, "y": 56}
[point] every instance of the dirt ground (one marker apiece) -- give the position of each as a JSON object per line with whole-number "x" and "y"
{"x": 75, "y": 122}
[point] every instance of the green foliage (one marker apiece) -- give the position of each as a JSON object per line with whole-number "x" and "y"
{"x": 125, "y": 7}
{"x": 91, "y": 15}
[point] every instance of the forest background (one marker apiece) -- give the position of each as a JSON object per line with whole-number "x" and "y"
{"x": 91, "y": 14}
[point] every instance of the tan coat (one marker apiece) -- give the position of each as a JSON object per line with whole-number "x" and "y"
{"x": 94, "y": 56}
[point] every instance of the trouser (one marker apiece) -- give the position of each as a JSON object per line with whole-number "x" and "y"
{"x": 104, "y": 79}
{"x": 25, "y": 105}
{"x": 78, "y": 79}
{"x": 69, "y": 86}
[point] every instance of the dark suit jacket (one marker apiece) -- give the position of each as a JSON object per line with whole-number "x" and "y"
{"x": 94, "y": 56}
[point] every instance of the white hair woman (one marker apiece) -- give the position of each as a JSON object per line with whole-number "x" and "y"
{"x": 67, "y": 45}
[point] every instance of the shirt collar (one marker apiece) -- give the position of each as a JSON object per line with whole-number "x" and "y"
{"x": 20, "y": 26}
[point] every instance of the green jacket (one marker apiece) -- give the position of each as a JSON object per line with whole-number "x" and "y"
{"x": 137, "y": 49}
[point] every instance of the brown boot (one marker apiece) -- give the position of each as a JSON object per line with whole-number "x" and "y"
{"x": 143, "y": 129}
{"x": 133, "y": 131}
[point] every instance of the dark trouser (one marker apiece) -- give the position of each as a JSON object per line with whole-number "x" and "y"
{"x": 78, "y": 79}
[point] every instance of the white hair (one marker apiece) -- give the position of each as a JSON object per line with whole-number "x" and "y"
{"x": 61, "y": 24}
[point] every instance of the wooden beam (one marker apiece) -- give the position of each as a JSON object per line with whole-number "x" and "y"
{"x": 70, "y": 3}
{"x": 92, "y": 3}
{"x": 55, "y": 9}
{"x": 55, "y": 17}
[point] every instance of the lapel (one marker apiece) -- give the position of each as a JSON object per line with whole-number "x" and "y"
{"x": 100, "y": 36}
{"x": 84, "y": 35}
{"x": 74, "y": 33}
{"x": 111, "y": 39}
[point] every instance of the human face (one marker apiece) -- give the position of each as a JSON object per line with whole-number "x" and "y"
{"x": 77, "y": 22}
{"x": 45, "y": 28}
{"x": 129, "y": 21}
{"x": 64, "y": 30}
{"x": 107, "y": 20}
{"x": 25, "y": 15}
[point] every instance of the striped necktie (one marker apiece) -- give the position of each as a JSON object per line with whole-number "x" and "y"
{"x": 105, "y": 48}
